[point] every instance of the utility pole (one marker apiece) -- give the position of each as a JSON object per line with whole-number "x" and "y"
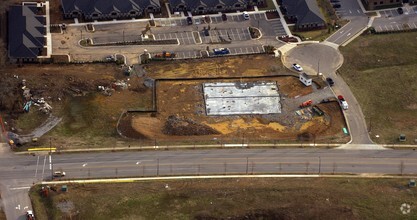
{"x": 50, "y": 158}
{"x": 318, "y": 67}
{"x": 157, "y": 168}
{"x": 123, "y": 36}
{"x": 319, "y": 164}
{"x": 247, "y": 165}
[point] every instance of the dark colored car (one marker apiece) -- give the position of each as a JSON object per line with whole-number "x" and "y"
{"x": 325, "y": 101}
{"x": 221, "y": 51}
{"x": 334, "y": 1}
{"x": 337, "y": 6}
{"x": 330, "y": 81}
{"x": 189, "y": 20}
{"x": 224, "y": 17}
{"x": 400, "y": 11}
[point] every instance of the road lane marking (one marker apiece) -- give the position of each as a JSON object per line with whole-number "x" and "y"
{"x": 50, "y": 162}
{"x": 19, "y": 188}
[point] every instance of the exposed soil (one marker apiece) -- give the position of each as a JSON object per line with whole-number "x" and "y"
{"x": 182, "y": 126}
{"x": 184, "y": 102}
{"x": 55, "y": 83}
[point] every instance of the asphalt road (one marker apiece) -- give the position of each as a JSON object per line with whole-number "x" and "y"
{"x": 326, "y": 59}
{"x": 19, "y": 172}
{"x": 350, "y": 10}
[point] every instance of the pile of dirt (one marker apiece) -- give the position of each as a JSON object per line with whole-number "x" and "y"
{"x": 126, "y": 129}
{"x": 184, "y": 127}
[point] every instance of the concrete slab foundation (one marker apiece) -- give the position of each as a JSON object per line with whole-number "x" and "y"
{"x": 238, "y": 98}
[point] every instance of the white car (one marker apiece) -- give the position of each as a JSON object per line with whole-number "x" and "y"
{"x": 297, "y": 67}
{"x": 59, "y": 174}
{"x": 29, "y": 215}
{"x": 245, "y": 15}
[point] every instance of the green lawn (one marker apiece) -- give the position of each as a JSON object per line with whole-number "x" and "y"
{"x": 381, "y": 71}
{"x": 267, "y": 198}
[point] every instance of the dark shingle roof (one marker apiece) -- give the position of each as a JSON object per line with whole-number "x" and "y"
{"x": 106, "y": 6}
{"x": 306, "y": 11}
{"x": 26, "y": 31}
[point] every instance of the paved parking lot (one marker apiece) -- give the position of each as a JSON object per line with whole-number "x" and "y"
{"x": 394, "y": 12}
{"x": 232, "y": 34}
{"x": 215, "y": 19}
{"x": 184, "y": 38}
{"x": 247, "y": 50}
{"x": 391, "y": 20}
{"x": 254, "y": 49}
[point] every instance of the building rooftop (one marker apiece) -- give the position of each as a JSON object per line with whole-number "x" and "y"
{"x": 27, "y": 31}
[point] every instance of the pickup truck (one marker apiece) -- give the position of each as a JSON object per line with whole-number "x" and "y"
{"x": 343, "y": 102}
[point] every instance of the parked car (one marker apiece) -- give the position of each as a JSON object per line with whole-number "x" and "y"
{"x": 59, "y": 174}
{"x": 325, "y": 101}
{"x": 224, "y": 17}
{"x": 337, "y": 6}
{"x": 189, "y": 20}
{"x": 400, "y": 11}
{"x": 334, "y": 1}
{"x": 246, "y": 15}
{"x": 221, "y": 51}
{"x": 297, "y": 67}
{"x": 330, "y": 81}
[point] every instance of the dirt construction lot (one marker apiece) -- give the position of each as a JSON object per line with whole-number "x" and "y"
{"x": 89, "y": 117}
{"x": 181, "y": 112}
{"x": 249, "y": 198}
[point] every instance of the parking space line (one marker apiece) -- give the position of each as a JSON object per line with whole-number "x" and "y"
{"x": 237, "y": 31}
{"x": 398, "y": 27}
{"x": 414, "y": 25}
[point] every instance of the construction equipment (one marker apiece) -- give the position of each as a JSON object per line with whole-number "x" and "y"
{"x": 317, "y": 110}
{"x": 165, "y": 54}
{"x": 306, "y": 103}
